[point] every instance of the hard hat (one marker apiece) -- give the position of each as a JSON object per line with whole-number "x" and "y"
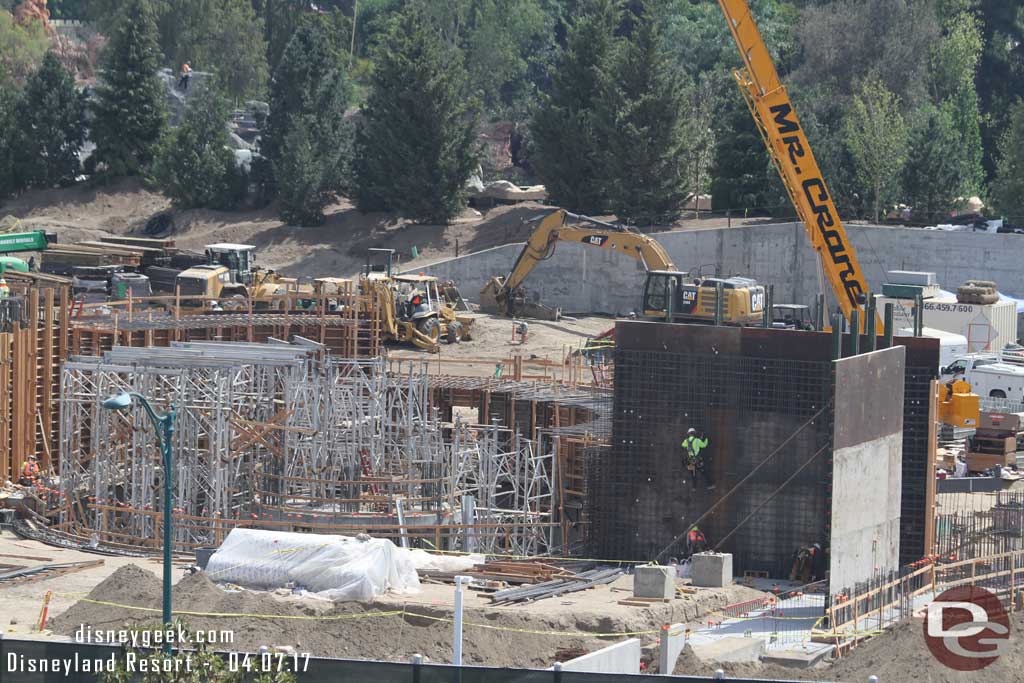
{"x": 691, "y": 430}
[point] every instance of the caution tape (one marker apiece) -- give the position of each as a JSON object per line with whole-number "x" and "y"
{"x": 240, "y": 615}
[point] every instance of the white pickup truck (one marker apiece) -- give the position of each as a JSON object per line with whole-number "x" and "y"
{"x": 988, "y": 375}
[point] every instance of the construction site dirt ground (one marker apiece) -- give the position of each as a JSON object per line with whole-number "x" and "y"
{"x": 527, "y": 635}
{"x": 545, "y": 352}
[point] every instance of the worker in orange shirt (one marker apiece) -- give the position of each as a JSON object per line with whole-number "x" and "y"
{"x": 186, "y": 74}
{"x": 30, "y": 472}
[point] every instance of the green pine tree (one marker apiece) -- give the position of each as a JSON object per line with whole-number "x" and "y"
{"x": 195, "y": 166}
{"x": 1008, "y": 186}
{"x": 8, "y": 130}
{"x": 300, "y": 176}
{"x": 309, "y": 90}
{"x": 130, "y": 107}
{"x": 642, "y": 120}
{"x": 567, "y": 153}
{"x": 52, "y": 130}
{"x": 417, "y": 144}
{"x": 932, "y": 176}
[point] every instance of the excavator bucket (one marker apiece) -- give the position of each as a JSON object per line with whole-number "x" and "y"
{"x": 489, "y": 296}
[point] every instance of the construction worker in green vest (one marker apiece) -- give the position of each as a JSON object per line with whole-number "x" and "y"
{"x": 695, "y": 465}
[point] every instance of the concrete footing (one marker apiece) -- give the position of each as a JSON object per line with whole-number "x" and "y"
{"x": 733, "y": 649}
{"x": 654, "y": 581}
{"x": 711, "y": 570}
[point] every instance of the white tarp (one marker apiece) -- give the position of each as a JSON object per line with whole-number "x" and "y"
{"x": 333, "y": 567}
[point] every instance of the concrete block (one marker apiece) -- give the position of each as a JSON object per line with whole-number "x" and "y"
{"x": 911, "y": 277}
{"x": 620, "y": 658}
{"x": 799, "y": 657}
{"x": 654, "y": 581}
{"x": 729, "y": 649}
{"x": 711, "y": 570}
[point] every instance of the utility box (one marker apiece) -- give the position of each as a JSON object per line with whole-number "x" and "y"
{"x": 654, "y": 581}
{"x": 711, "y": 570}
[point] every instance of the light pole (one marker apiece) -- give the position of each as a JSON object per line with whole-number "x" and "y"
{"x": 164, "y": 425}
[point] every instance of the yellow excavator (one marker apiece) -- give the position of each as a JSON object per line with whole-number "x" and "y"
{"x": 668, "y": 293}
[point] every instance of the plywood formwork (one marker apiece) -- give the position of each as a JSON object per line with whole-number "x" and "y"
{"x": 345, "y": 333}
{"x": 285, "y": 436}
{"x": 33, "y": 342}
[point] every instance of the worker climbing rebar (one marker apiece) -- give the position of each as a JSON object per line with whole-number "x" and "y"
{"x": 695, "y": 464}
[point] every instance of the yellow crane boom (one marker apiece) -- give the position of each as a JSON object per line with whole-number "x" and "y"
{"x": 789, "y": 149}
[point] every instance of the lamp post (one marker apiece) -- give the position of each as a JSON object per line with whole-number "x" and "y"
{"x": 164, "y": 425}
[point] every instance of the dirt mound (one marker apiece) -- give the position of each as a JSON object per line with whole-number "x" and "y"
{"x": 897, "y": 655}
{"x": 392, "y": 628}
{"x": 129, "y": 585}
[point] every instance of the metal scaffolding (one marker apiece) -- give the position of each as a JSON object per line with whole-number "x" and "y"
{"x": 285, "y": 436}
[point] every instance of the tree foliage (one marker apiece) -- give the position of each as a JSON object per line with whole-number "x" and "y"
{"x": 51, "y": 127}
{"x": 222, "y": 36}
{"x": 308, "y": 97}
{"x": 417, "y": 142}
{"x": 130, "y": 100}
{"x": 195, "y": 166}
{"x": 931, "y": 176}
{"x": 643, "y": 122}
{"x": 876, "y": 136}
{"x": 1008, "y": 188}
{"x": 568, "y": 153}
{"x": 21, "y": 49}
{"x": 8, "y": 128}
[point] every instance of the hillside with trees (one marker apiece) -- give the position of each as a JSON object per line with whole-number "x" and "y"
{"x": 620, "y": 107}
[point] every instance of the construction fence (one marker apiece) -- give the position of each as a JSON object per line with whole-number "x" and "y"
{"x": 869, "y": 608}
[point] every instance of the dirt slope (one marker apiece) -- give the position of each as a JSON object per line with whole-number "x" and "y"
{"x": 123, "y": 206}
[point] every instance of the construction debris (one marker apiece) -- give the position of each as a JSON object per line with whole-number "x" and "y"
{"x": 41, "y": 572}
{"x": 549, "y": 589}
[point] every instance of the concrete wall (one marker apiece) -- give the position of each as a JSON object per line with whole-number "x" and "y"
{"x": 583, "y": 279}
{"x": 867, "y": 466}
{"x": 620, "y": 658}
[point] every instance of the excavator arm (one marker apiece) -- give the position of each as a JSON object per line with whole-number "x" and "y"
{"x": 499, "y": 294}
{"x": 789, "y": 149}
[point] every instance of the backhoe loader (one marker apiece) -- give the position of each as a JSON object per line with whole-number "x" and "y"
{"x": 411, "y": 307}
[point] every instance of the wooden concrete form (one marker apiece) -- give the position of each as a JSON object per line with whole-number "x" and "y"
{"x": 354, "y": 331}
{"x": 31, "y": 351}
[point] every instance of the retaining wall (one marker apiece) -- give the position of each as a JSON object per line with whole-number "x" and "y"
{"x": 583, "y": 279}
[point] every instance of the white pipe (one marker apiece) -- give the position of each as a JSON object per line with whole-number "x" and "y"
{"x": 460, "y": 582}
